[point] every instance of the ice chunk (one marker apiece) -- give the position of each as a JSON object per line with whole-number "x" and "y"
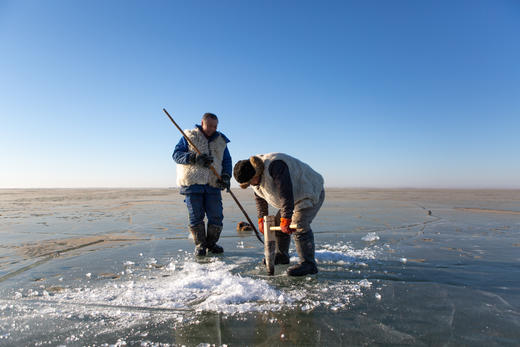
{"x": 365, "y": 283}
{"x": 349, "y": 253}
{"x": 370, "y": 237}
{"x": 324, "y": 256}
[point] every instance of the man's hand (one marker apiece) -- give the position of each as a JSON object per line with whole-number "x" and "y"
{"x": 203, "y": 160}
{"x": 261, "y": 225}
{"x": 224, "y": 182}
{"x": 285, "y": 225}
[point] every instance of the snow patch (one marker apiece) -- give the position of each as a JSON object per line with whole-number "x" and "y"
{"x": 200, "y": 287}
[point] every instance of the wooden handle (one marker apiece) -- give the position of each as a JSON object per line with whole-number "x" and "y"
{"x": 292, "y": 226}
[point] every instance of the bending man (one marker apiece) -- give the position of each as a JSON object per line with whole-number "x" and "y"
{"x": 297, "y": 190}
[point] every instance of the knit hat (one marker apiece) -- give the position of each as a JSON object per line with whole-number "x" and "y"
{"x": 245, "y": 170}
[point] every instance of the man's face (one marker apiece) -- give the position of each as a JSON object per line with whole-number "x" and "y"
{"x": 209, "y": 127}
{"x": 255, "y": 181}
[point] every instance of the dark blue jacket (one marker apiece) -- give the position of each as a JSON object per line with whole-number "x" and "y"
{"x": 181, "y": 155}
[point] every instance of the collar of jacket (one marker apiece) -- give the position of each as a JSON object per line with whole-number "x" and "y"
{"x": 214, "y": 136}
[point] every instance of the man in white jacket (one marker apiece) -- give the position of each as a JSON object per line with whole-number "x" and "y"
{"x": 199, "y": 185}
{"x": 292, "y": 186}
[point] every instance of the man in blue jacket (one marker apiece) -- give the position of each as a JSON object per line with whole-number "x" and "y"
{"x": 199, "y": 185}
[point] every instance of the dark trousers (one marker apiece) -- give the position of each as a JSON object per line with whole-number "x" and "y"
{"x": 202, "y": 204}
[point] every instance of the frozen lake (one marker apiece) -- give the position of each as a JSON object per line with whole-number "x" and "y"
{"x": 115, "y": 267}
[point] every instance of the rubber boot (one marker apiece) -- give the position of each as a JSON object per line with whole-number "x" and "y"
{"x": 212, "y": 238}
{"x": 281, "y": 255}
{"x": 199, "y": 237}
{"x": 282, "y": 243}
{"x": 282, "y": 248}
{"x": 304, "y": 244}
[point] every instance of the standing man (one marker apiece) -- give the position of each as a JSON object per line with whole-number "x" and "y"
{"x": 199, "y": 185}
{"x": 297, "y": 190}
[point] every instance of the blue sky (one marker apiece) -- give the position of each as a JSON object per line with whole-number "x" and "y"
{"x": 370, "y": 93}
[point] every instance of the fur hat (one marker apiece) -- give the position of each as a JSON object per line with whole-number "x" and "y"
{"x": 246, "y": 170}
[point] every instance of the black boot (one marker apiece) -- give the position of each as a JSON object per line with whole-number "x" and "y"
{"x": 199, "y": 237}
{"x": 281, "y": 255}
{"x": 282, "y": 243}
{"x": 304, "y": 244}
{"x": 282, "y": 248}
{"x": 212, "y": 238}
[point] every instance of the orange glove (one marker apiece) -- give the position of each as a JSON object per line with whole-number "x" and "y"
{"x": 261, "y": 224}
{"x": 284, "y": 225}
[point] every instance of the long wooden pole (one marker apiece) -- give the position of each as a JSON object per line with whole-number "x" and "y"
{"x": 218, "y": 176}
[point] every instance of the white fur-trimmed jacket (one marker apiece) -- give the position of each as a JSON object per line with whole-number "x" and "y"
{"x": 307, "y": 184}
{"x": 216, "y": 146}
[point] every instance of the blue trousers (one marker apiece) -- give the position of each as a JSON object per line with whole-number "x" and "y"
{"x": 202, "y": 204}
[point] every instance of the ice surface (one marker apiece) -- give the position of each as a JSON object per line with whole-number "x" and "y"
{"x": 389, "y": 272}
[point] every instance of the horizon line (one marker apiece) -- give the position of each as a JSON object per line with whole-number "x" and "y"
{"x": 238, "y": 188}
